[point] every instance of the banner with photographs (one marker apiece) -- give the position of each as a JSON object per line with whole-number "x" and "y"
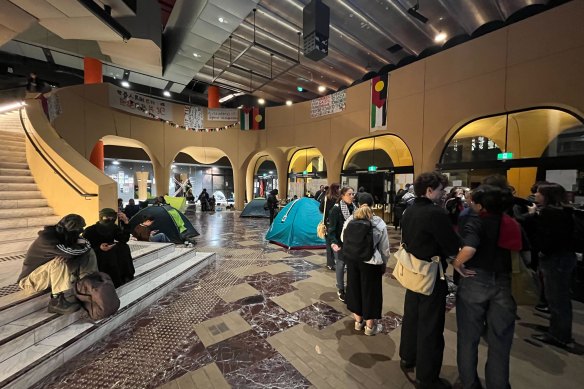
{"x": 222, "y": 114}
{"x": 138, "y": 104}
{"x": 193, "y": 116}
{"x": 328, "y": 104}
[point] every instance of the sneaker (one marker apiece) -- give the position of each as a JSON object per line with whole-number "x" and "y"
{"x": 59, "y": 305}
{"x": 542, "y": 308}
{"x": 359, "y": 325}
{"x": 341, "y": 294}
{"x": 372, "y": 331}
{"x": 330, "y": 267}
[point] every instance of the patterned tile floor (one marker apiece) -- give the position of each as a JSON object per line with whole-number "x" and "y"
{"x": 286, "y": 329}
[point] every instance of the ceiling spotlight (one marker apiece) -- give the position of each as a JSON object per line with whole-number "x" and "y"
{"x": 115, "y": 162}
{"x": 288, "y": 102}
{"x": 261, "y": 101}
{"x": 125, "y": 84}
{"x": 166, "y": 93}
{"x": 321, "y": 88}
{"x": 440, "y": 37}
{"x": 222, "y": 20}
{"x": 414, "y": 12}
{"x": 196, "y": 55}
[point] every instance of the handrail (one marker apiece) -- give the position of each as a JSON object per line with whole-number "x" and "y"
{"x": 53, "y": 166}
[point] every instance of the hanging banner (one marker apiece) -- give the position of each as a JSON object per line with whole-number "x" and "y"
{"x": 252, "y": 118}
{"x": 222, "y": 114}
{"x": 138, "y": 104}
{"x": 379, "y": 103}
{"x": 193, "y": 116}
{"x": 328, "y": 104}
{"x": 54, "y": 107}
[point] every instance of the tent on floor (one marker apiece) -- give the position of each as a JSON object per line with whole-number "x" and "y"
{"x": 168, "y": 220}
{"x": 255, "y": 208}
{"x": 295, "y": 226}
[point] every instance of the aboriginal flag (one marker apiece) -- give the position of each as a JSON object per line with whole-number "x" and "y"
{"x": 379, "y": 102}
{"x": 252, "y": 118}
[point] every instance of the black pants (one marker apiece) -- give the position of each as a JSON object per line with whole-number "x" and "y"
{"x": 364, "y": 295}
{"x": 272, "y": 214}
{"x": 422, "y": 336}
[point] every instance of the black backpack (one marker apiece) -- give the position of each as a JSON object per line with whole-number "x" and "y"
{"x": 358, "y": 241}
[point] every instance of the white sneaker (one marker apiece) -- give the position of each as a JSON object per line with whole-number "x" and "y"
{"x": 359, "y": 325}
{"x": 372, "y": 331}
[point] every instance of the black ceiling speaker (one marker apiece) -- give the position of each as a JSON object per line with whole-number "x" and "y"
{"x": 414, "y": 12}
{"x": 316, "y": 20}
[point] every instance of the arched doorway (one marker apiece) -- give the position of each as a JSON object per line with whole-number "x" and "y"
{"x": 306, "y": 172}
{"x": 526, "y": 146}
{"x": 265, "y": 176}
{"x": 382, "y": 165}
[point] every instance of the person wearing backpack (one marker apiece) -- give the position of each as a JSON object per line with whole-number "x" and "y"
{"x": 366, "y": 251}
{"x": 337, "y": 216}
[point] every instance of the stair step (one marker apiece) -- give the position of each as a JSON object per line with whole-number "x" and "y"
{"x": 6, "y": 152}
{"x": 13, "y": 148}
{"x": 10, "y": 135}
{"x": 15, "y": 172}
{"x": 17, "y": 187}
{"x": 18, "y": 195}
{"x": 23, "y": 203}
{"x": 25, "y": 212}
{"x": 19, "y": 233}
{"x": 22, "y": 222}
{"x": 14, "y": 165}
{"x": 14, "y": 143}
{"x": 15, "y": 246}
{"x": 17, "y": 179}
{"x": 13, "y": 158}
{"x": 26, "y": 368}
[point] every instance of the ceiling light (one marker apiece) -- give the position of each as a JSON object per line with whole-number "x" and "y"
{"x": 300, "y": 89}
{"x": 321, "y": 88}
{"x": 196, "y": 55}
{"x": 166, "y": 93}
{"x": 222, "y": 20}
{"x": 116, "y": 162}
{"x": 440, "y": 37}
{"x": 261, "y": 101}
{"x": 125, "y": 84}
{"x": 288, "y": 102}
{"x": 414, "y": 12}
{"x": 226, "y": 98}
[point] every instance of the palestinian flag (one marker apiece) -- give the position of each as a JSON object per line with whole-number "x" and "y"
{"x": 379, "y": 102}
{"x": 252, "y": 118}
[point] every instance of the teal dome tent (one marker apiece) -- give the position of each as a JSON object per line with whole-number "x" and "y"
{"x": 294, "y": 227}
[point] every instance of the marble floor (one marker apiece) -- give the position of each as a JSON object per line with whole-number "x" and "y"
{"x": 261, "y": 317}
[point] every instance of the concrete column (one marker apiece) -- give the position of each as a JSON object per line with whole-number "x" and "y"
{"x": 96, "y": 157}
{"x": 162, "y": 177}
{"x": 213, "y": 97}
{"x": 239, "y": 176}
{"x": 92, "y": 71}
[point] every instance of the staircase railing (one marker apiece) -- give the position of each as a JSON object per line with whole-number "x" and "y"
{"x": 52, "y": 164}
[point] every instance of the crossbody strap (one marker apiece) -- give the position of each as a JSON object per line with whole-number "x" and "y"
{"x": 324, "y": 209}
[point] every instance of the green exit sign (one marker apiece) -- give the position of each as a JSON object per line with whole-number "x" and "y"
{"x": 504, "y": 156}
{"x": 372, "y": 168}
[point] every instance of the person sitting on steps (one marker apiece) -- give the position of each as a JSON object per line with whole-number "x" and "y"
{"x": 55, "y": 259}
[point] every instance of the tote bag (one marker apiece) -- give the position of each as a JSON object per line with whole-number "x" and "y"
{"x": 321, "y": 228}
{"x": 417, "y": 275}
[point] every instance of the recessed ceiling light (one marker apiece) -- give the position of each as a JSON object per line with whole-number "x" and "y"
{"x": 222, "y": 20}
{"x": 440, "y": 37}
{"x": 125, "y": 84}
{"x": 196, "y": 55}
{"x": 261, "y": 101}
{"x": 166, "y": 93}
{"x": 321, "y": 88}
{"x": 116, "y": 162}
{"x": 288, "y": 102}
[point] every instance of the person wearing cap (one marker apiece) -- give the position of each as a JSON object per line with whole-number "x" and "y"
{"x": 110, "y": 243}
{"x": 55, "y": 259}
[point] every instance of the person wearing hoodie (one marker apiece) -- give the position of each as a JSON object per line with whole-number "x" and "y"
{"x": 110, "y": 243}
{"x": 54, "y": 260}
{"x": 364, "y": 279}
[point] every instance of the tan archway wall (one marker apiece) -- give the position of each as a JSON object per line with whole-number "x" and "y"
{"x": 278, "y": 156}
{"x": 302, "y": 159}
{"x": 394, "y": 147}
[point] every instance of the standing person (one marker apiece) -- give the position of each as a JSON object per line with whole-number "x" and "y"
{"x": 273, "y": 204}
{"x": 337, "y": 216}
{"x": 364, "y": 279}
{"x": 332, "y": 196}
{"x": 319, "y": 192}
{"x": 131, "y": 209}
{"x": 426, "y": 232}
{"x": 144, "y": 232}
{"x": 484, "y": 290}
{"x": 359, "y": 192}
{"x": 204, "y": 199}
{"x": 557, "y": 260}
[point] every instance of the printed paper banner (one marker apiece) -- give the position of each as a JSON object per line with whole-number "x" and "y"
{"x": 193, "y": 116}
{"x": 328, "y": 104}
{"x": 54, "y": 107}
{"x": 222, "y": 114}
{"x": 379, "y": 103}
{"x": 252, "y": 118}
{"x": 126, "y": 100}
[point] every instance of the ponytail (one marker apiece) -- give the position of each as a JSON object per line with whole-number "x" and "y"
{"x": 363, "y": 212}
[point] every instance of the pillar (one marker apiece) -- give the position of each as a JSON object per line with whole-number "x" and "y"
{"x": 96, "y": 157}
{"x": 213, "y": 97}
{"x": 142, "y": 180}
{"x": 162, "y": 177}
{"x": 92, "y": 71}
{"x": 239, "y": 187}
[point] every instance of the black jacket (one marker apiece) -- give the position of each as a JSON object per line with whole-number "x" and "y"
{"x": 555, "y": 230}
{"x": 336, "y": 222}
{"x": 272, "y": 202}
{"x": 330, "y": 203}
{"x": 427, "y": 231}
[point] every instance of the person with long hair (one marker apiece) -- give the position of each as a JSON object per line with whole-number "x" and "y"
{"x": 331, "y": 196}
{"x": 337, "y": 217}
{"x": 557, "y": 260}
{"x": 364, "y": 279}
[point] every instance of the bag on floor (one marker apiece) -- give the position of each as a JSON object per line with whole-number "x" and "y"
{"x": 98, "y": 295}
{"x": 358, "y": 241}
{"x": 417, "y": 275}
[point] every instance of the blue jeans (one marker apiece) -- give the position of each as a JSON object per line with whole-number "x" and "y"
{"x": 340, "y": 270}
{"x": 557, "y": 272}
{"x": 485, "y": 298}
{"x": 160, "y": 238}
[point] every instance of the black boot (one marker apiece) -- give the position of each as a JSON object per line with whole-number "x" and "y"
{"x": 60, "y": 305}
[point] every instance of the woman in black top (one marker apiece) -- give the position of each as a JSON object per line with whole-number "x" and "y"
{"x": 331, "y": 197}
{"x": 557, "y": 260}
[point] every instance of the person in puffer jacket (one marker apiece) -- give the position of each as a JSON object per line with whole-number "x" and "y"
{"x": 364, "y": 279}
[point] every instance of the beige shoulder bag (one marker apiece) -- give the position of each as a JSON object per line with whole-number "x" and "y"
{"x": 321, "y": 228}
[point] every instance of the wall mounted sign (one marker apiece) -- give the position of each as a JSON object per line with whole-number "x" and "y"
{"x": 328, "y": 104}
{"x": 222, "y": 114}
{"x": 129, "y": 101}
{"x": 193, "y": 116}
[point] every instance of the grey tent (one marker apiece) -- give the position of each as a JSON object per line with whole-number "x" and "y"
{"x": 255, "y": 208}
